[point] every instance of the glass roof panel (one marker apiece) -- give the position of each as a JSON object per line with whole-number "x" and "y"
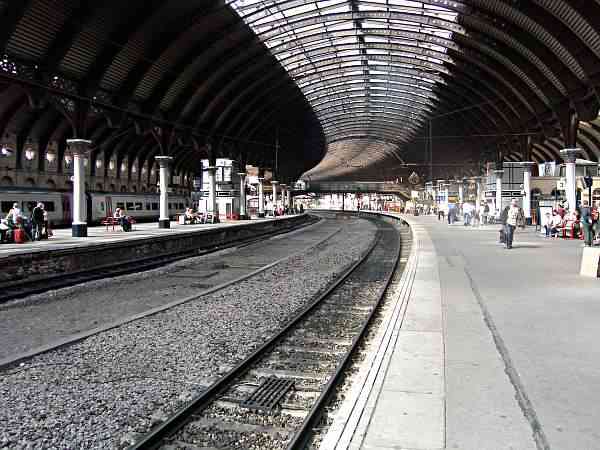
{"x": 377, "y": 58}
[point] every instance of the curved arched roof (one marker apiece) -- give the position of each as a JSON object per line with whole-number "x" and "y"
{"x": 145, "y": 77}
{"x": 489, "y": 79}
{"x": 513, "y": 74}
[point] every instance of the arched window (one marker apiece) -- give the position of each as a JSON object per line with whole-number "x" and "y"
{"x": 123, "y": 188}
{"x": 30, "y": 182}
{"x": 50, "y": 184}
{"x": 6, "y": 181}
{"x": 134, "y": 188}
{"x": 99, "y": 187}
{"x": 113, "y": 188}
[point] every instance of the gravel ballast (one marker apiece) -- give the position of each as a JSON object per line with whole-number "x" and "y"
{"x": 107, "y": 390}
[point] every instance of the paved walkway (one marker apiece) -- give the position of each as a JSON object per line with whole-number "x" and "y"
{"x": 98, "y": 235}
{"x": 496, "y": 349}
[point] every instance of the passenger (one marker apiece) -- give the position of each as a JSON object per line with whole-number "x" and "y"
{"x": 123, "y": 220}
{"x": 485, "y": 213}
{"x": 189, "y": 216}
{"x": 467, "y": 213}
{"x": 37, "y": 220}
{"x": 588, "y": 223}
{"x": 554, "y": 224}
{"x": 301, "y": 208}
{"x": 15, "y": 214}
{"x": 515, "y": 217}
{"x": 4, "y": 231}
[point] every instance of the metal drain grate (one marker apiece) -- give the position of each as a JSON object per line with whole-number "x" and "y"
{"x": 267, "y": 396}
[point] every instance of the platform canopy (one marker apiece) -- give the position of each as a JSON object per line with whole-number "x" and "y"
{"x": 486, "y": 79}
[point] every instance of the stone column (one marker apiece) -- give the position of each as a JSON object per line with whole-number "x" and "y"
{"x": 261, "y": 198}
{"x": 527, "y": 189}
{"x": 461, "y": 193}
{"x": 499, "y": 174}
{"x": 243, "y": 214}
{"x": 79, "y": 148}
{"x": 274, "y": 184}
{"x": 569, "y": 155}
{"x": 164, "y": 220}
{"x": 212, "y": 193}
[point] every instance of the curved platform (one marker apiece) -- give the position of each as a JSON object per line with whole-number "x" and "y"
{"x": 486, "y": 348}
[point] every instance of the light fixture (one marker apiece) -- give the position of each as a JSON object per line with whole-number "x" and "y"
{"x": 6, "y": 151}
{"x": 50, "y": 156}
{"x": 133, "y": 169}
{"x": 111, "y": 165}
{"x": 144, "y": 170}
{"x": 29, "y": 154}
{"x": 68, "y": 158}
{"x": 123, "y": 167}
{"x": 98, "y": 163}
{"x": 85, "y": 162}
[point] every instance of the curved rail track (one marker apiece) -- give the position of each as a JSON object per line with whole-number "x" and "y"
{"x": 276, "y": 397}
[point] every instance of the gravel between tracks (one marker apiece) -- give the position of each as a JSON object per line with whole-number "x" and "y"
{"x": 104, "y": 391}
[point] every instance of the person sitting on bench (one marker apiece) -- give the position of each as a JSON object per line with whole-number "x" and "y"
{"x": 123, "y": 219}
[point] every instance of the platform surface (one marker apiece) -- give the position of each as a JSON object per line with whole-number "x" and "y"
{"x": 498, "y": 349}
{"x": 98, "y": 235}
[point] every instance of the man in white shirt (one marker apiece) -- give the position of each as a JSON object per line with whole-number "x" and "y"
{"x": 467, "y": 213}
{"x": 514, "y": 217}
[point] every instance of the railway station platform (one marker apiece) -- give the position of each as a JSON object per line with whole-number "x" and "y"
{"x": 101, "y": 234}
{"x": 485, "y": 348}
{"x": 63, "y": 254}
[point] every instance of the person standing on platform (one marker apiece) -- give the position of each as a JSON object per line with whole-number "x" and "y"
{"x": 514, "y": 217}
{"x": 37, "y": 219}
{"x": 588, "y": 223}
{"x": 468, "y": 213}
{"x": 486, "y": 213}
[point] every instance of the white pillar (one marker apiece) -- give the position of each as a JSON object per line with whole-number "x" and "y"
{"x": 212, "y": 193}
{"x": 163, "y": 162}
{"x": 261, "y": 198}
{"x": 461, "y": 194}
{"x": 243, "y": 214}
{"x": 79, "y": 148}
{"x": 527, "y": 188}
{"x": 274, "y": 184}
{"x": 499, "y": 174}
{"x": 569, "y": 155}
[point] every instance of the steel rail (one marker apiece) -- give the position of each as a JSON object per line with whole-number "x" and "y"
{"x": 303, "y": 435}
{"x": 181, "y": 417}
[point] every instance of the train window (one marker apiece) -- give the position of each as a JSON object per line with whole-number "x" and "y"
{"x": 139, "y": 206}
{"x": 129, "y": 206}
{"x": 6, "y": 206}
{"x": 154, "y": 206}
{"x": 121, "y": 205}
{"x": 148, "y": 207}
{"x": 49, "y": 206}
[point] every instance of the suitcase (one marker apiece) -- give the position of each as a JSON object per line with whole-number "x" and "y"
{"x": 19, "y": 234}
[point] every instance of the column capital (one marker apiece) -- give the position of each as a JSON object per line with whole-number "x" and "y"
{"x": 274, "y": 182}
{"x": 79, "y": 146}
{"x": 569, "y": 155}
{"x": 163, "y": 161}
